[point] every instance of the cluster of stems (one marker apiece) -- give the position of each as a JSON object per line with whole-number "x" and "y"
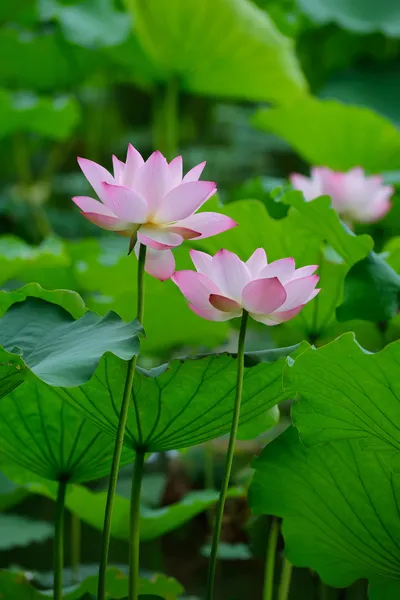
{"x": 169, "y": 116}
{"x": 137, "y": 471}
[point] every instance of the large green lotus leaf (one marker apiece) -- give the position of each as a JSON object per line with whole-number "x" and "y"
{"x": 362, "y": 16}
{"x": 44, "y": 61}
{"x": 19, "y": 531}
{"x": 303, "y": 234}
{"x": 50, "y": 438}
{"x": 53, "y": 118}
{"x": 255, "y": 427}
{"x": 16, "y": 11}
{"x": 16, "y": 585}
{"x": 109, "y": 276}
{"x": 339, "y": 506}
{"x": 289, "y": 235}
{"x": 17, "y": 256}
{"x": 371, "y": 291}
{"x": 45, "y": 339}
{"x": 227, "y": 48}
{"x": 335, "y": 135}
{"x": 13, "y": 372}
{"x": 182, "y": 403}
{"x": 375, "y": 88}
{"x": 136, "y": 65}
{"x": 91, "y": 23}
{"x": 89, "y": 506}
{"x": 320, "y": 218}
{"x": 346, "y": 392}
{"x": 392, "y": 253}
{"x": 371, "y": 286}
{"x": 70, "y": 301}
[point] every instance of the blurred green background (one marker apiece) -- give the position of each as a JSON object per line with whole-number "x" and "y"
{"x": 244, "y": 85}
{"x": 85, "y": 78}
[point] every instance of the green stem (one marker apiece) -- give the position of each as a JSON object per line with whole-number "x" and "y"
{"x": 166, "y": 119}
{"x": 286, "y": 578}
{"x": 209, "y": 476}
{"x": 229, "y": 458}
{"x": 58, "y": 551}
{"x": 268, "y": 592}
{"x": 75, "y": 546}
{"x": 120, "y": 436}
{"x": 134, "y": 538}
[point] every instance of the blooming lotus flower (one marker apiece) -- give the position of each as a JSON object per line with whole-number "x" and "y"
{"x": 355, "y": 196}
{"x": 223, "y": 286}
{"x": 153, "y": 204}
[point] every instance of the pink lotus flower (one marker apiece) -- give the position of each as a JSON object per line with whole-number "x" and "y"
{"x": 151, "y": 202}
{"x": 355, "y": 196}
{"x": 224, "y": 286}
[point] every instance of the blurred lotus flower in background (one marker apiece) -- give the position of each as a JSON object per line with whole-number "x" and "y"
{"x": 223, "y": 286}
{"x": 356, "y": 197}
{"x": 152, "y": 203}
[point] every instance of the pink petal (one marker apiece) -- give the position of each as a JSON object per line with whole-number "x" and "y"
{"x": 299, "y": 291}
{"x": 380, "y": 211}
{"x": 212, "y": 314}
{"x": 299, "y": 181}
{"x": 196, "y": 287}
{"x": 304, "y": 271}
{"x": 230, "y": 274}
{"x": 208, "y": 223}
{"x": 119, "y": 169}
{"x": 95, "y": 174}
{"x": 109, "y": 223}
{"x": 187, "y": 234}
{"x": 134, "y": 161}
{"x": 314, "y": 186}
{"x": 202, "y": 262}
{"x": 378, "y": 205}
{"x": 312, "y": 295}
{"x": 184, "y": 200}
{"x": 375, "y": 180}
{"x": 256, "y": 262}
{"x": 153, "y": 180}
{"x": 338, "y": 186}
{"x": 158, "y": 239}
{"x": 91, "y": 205}
{"x": 282, "y": 268}
{"x": 223, "y": 303}
{"x": 263, "y": 296}
{"x": 125, "y": 203}
{"x": 175, "y": 169}
{"x": 159, "y": 263}
{"x": 309, "y": 188}
{"x": 357, "y": 172}
{"x": 278, "y": 317}
{"x": 321, "y": 173}
{"x": 195, "y": 173}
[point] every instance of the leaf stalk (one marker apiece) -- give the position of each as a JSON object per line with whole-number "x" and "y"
{"x": 229, "y": 458}
{"x": 58, "y": 552}
{"x": 120, "y": 437}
